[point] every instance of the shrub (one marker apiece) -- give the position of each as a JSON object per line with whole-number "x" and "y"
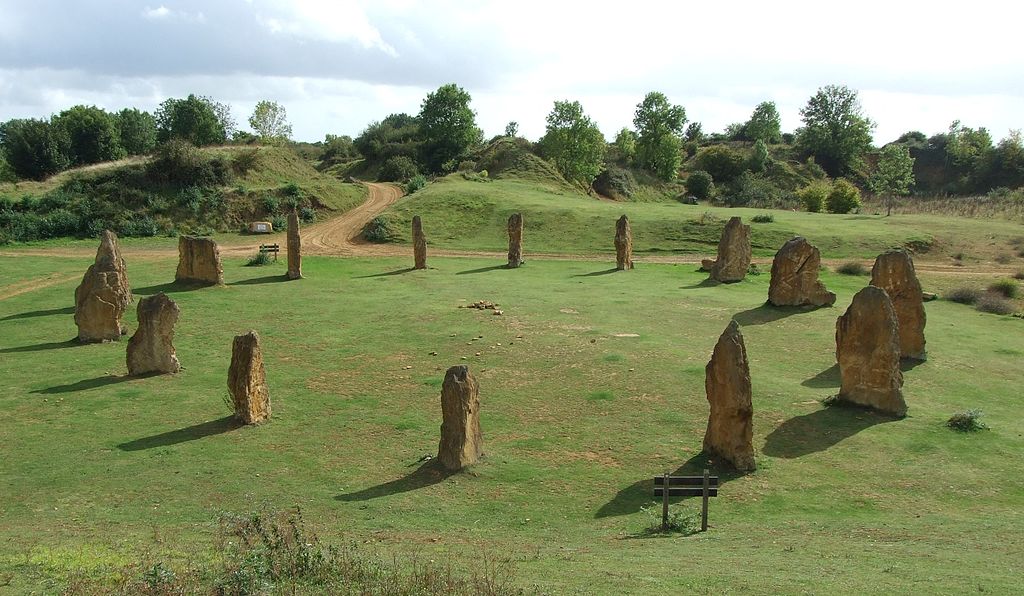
{"x": 178, "y": 162}
{"x": 993, "y": 303}
{"x": 467, "y": 166}
{"x": 679, "y": 522}
{"x": 753, "y": 190}
{"x": 852, "y": 268}
{"x": 279, "y": 222}
{"x": 258, "y": 260}
{"x": 415, "y": 183}
{"x": 1007, "y": 288}
{"x": 700, "y": 184}
{"x": 843, "y": 198}
{"x": 379, "y": 229}
{"x": 190, "y": 199}
{"x": 291, "y": 190}
{"x": 271, "y": 204}
{"x": 398, "y": 168}
{"x": 814, "y": 196}
{"x": 245, "y": 160}
{"x": 141, "y": 226}
{"x": 967, "y": 421}
{"x": 763, "y": 218}
{"x": 615, "y": 182}
{"x": 963, "y": 295}
{"x": 306, "y": 214}
{"x": 724, "y": 164}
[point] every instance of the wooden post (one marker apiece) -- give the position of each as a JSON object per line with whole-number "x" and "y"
{"x": 664, "y": 504}
{"x": 704, "y": 507}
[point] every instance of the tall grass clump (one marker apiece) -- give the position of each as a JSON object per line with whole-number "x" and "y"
{"x": 258, "y": 260}
{"x": 852, "y": 268}
{"x": 993, "y": 303}
{"x": 967, "y": 421}
{"x": 1007, "y": 288}
{"x": 964, "y": 295}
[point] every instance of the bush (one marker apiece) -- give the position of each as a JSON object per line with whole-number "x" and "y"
{"x": 615, "y": 182}
{"x": 678, "y": 522}
{"x": 306, "y": 214}
{"x": 397, "y": 169}
{"x": 724, "y": 164}
{"x": 963, "y": 295}
{"x": 700, "y": 184}
{"x": 279, "y": 222}
{"x": 814, "y": 196}
{"x": 852, "y": 268}
{"x": 245, "y": 160}
{"x": 292, "y": 190}
{"x": 1007, "y": 288}
{"x": 379, "y": 229}
{"x": 258, "y": 260}
{"x": 270, "y": 204}
{"x": 967, "y": 421}
{"x": 178, "y": 162}
{"x": 415, "y": 183}
{"x": 843, "y": 198}
{"x": 467, "y": 166}
{"x": 763, "y": 218}
{"x": 752, "y": 190}
{"x": 995, "y": 304}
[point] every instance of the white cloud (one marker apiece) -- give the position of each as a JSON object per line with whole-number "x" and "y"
{"x": 323, "y": 20}
{"x": 161, "y": 12}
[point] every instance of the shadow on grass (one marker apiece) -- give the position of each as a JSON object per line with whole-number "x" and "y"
{"x": 67, "y": 310}
{"x": 597, "y": 273}
{"x": 482, "y": 269}
{"x": 85, "y": 384}
{"x": 706, "y": 283}
{"x": 266, "y": 279}
{"x": 183, "y": 435}
{"x": 641, "y": 493}
{"x": 174, "y": 286}
{"x": 767, "y": 312}
{"x": 826, "y": 379}
{"x": 53, "y": 345}
{"x": 908, "y": 364}
{"x": 817, "y": 431}
{"x": 428, "y": 474}
{"x": 388, "y": 273}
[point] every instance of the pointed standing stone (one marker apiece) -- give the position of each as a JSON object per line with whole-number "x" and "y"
{"x": 795, "y": 276}
{"x": 894, "y": 272}
{"x": 247, "y": 380}
{"x": 199, "y": 261}
{"x": 730, "y": 432}
{"x": 419, "y": 244}
{"x": 294, "y": 247}
{"x": 868, "y": 351}
{"x": 733, "y": 253}
{"x": 103, "y": 295}
{"x": 515, "y": 240}
{"x": 623, "y": 244}
{"x": 461, "y": 442}
{"x": 151, "y": 349}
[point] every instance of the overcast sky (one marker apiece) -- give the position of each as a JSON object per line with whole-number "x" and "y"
{"x": 339, "y": 65}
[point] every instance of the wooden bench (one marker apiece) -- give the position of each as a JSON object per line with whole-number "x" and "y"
{"x": 270, "y": 248}
{"x": 686, "y": 486}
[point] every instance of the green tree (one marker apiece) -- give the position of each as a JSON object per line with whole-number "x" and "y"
{"x": 835, "y": 130}
{"x": 894, "y": 175}
{"x": 695, "y": 132}
{"x": 137, "y": 130}
{"x": 34, "y": 148}
{"x": 448, "y": 126}
{"x": 92, "y": 134}
{"x": 270, "y": 121}
{"x": 338, "y": 149}
{"x": 723, "y": 163}
{"x": 625, "y": 144}
{"x": 512, "y": 129}
{"x": 659, "y": 126}
{"x": 764, "y": 124}
{"x": 760, "y": 157}
{"x": 573, "y": 143}
{"x": 398, "y": 134}
{"x": 1003, "y": 166}
{"x": 197, "y": 120}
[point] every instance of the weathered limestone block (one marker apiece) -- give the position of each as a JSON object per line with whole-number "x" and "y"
{"x": 730, "y": 433}
{"x": 795, "y": 276}
{"x": 419, "y": 244}
{"x": 894, "y": 272}
{"x": 868, "y": 351}
{"x": 151, "y": 349}
{"x": 199, "y": 261}
{"x": 515, "y": 240}
{"x": 294, "y": 247}
{"x": 247, "y": 380}
{"x": 623, "y": 244}
{"x": 103, "y": 295}
{"x": 733, "y": 253}
{"x": 461, "y": 442}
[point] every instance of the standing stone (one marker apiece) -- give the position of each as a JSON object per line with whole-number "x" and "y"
{"x": 894, "y": 272}
{"x": 623, "y": 244}
{"x": 730, "y": 433}
{"x": 103, "y": 295}
{"x": 419, "y": 244}
{"x": 151, "y": 349}
{"x": 199, "y": 261}
{"x": 247, "y": 380}
{"x": 795, "y": 276}
{"x": 733, "y": 253}
{"x": 868, "y": 351}
{"x": 461, "y": 442}
{"x": 294, "y": 247}
{"x": 515, "y": 240}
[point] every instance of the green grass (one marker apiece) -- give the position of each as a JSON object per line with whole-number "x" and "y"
{"x": 597, "y": 386}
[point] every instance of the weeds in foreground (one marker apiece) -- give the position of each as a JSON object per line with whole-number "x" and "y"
{"x": 967, "y": 421}
{"x": 258, "y": 260}
{"x": 852, "y": 268}
{"x": 679, "y": 522}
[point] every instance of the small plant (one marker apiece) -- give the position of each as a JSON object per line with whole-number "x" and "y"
{"x": 415, "y": 183}
{"x": 967, "y": 421}
{"x": 279, "y": 222}
{"x": 306, "y": 214}
{"x": 763, "y": 218}
{"x": 995, "y": 304}
{"x": 258, "y": 260}
{"x": 159, "y": 579}
{"x": 707, "y": 218}
{"x": 1003, "y": 258}
{"x": 1007, "y": 288}
{"x": 292, "y": 190}
{"x": 379, "y": 230}
{"x": 271, "y": 204}
{"x": 753, "y": 269}
{"x": 679, "y": 522}
{"x": 963, "y": 295}
{"x": 852, "y": 268}
{"x": 843, "y": 198}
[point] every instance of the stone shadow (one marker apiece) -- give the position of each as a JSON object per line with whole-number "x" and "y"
{"x": 639, "y": 494}
{"x": 387, "y": 273}
{"x": 706, "y": 283}
{"x": 482, "y": 269}
{"x": 430, "y": 473}
{"x": 819, "y": 430}
{"x": 67, "y": 310}
{"x": 174, "y": 286}
{"x": 89, "y": 384}
{"x": 768, "y": 312}
{"x": 183, "y": 435}
{"x": 266, "y": 279}
{"x": 53, "y": 345}
{"x": 909, "y": 364}
{"x": 826, "y": 379}
{"x": 597, "y": 273}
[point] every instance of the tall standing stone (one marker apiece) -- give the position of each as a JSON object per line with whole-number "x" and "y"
{"x": 515, "y": 240}
{"x": 730, "y": 433}
{"x": 461, "y": 442}
{"x": 199, "y": 261}
{"x": 419, "y": 244}
{"x": 151, "y": 349}
{"x": 894, "y": 272}
{"x": 623, "y": 244}
{"x": 868, "y": 351}
{"x": 733, "y": 253}
{"x": 247, "y": 380}
{"x": 294, "y": 247}
{"x": 103, "y": 295}
{"x": 795, "y": 276}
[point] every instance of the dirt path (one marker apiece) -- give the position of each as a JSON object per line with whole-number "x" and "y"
{"x": 342, "y": 235}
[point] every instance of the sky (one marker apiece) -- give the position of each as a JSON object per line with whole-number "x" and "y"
{"x": 337, "y": 66}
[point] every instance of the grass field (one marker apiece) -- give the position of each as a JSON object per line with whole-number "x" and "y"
{"x": 591, "y": 383}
